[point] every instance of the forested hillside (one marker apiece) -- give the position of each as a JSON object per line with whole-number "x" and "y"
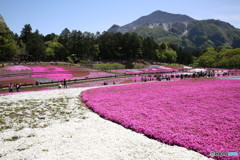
{"x": 182, "y": 30}
{"x": 85, "y": 47}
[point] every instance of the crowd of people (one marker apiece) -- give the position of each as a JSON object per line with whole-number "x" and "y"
{"x": 157, "y": 77}
{"x": 168, "y": 77}
{"x": 201, "y": 74}
{"x": 144, "y": 78}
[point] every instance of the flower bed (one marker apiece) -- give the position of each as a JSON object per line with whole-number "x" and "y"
{"x": 77, "y": 72}
{"x": 17, "y": 68}
{"x": 96, "y": 73}
{"x": 15, "y": 74}
{"x": 48, "y": 73}
{"x": 19, "y": 81}
{"x": 198, "y": 114}
{"x": 51, "y": 72}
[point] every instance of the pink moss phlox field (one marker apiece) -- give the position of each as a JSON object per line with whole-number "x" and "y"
{"x": 198, "y": 114}
{"x": 17, "y": 68}
{"x": 14, "y": 72}
{"x": 51, "y": 72}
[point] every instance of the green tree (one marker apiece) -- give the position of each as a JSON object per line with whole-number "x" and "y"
{"x": 163, "y": 46}
{"x": 50, "y": 37}
{"x": 90, "y": 49}
{"x": 26, "y": 33}
{"x": 64, "y": 39}
{"x": 35, "y": 47}
{"x": 171, "y": 55}
{"x": 107, "y": 46}
{"x": 223, "y": 58}
{"x": 130, "y": 46}
{"x": 166, "y": 54}
{"x": 52, "y": 49}
{"x": 8, "y": 46}
{"x": 95, "y": 51}
{"x": 209, "y": 58}
{"x": 76, "y": 44}
{"x": 149, "y": 49}
{"x": 184, "y": 56}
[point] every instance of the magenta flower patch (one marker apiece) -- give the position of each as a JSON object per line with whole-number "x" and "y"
{"x": 51, "y": 72}
{"x": 17, "y": 68}
{"x": 199, "y": 114}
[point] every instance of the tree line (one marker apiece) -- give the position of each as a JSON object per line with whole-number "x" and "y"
{"x": 76, "y": 46}
{"x": 219, "y": 58}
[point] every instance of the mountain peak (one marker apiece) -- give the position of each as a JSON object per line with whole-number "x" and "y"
{"x": 158, "y": 12}
{"x": 157, "y": 17}
{"x": 114, "y": 28}
{"x": 163, "y": 17}
{"x": 182, "y": 30}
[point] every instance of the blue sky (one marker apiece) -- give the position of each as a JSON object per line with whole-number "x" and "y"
{"x": 52, "y": 16}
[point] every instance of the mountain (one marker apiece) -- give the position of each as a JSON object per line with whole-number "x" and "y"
{"x": 183, "y": 30}
{"x": 157, "y": 18}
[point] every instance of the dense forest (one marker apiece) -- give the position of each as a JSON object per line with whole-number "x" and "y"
{"x": 76, "y": 46}
{"x": 197, "y": 35}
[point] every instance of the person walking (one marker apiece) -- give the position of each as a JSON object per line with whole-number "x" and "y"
{"x": 64, "y": 83}
{"x": 18, "y": 87}
{"x": 10, "y": 87}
